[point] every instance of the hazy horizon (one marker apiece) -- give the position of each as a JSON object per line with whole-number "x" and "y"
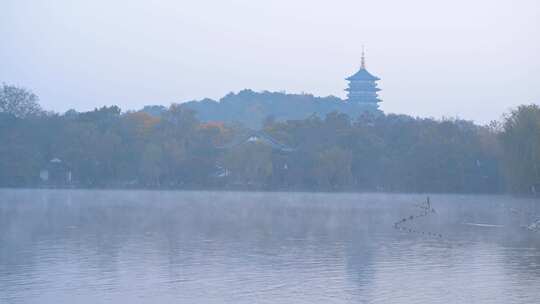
{"x": 472, "y": 60}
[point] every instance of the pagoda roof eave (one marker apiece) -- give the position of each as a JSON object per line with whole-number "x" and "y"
{"x": 364, "y": 75}
{"x": 377, "y": 100}
{"x": 353, "y": 78}
{"x": 364, "y": 90}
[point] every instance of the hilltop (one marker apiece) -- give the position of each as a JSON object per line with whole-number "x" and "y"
{"x": 252, "y": 109}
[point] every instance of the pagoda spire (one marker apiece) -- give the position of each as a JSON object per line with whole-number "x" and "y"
{"x": 363, "y": 62}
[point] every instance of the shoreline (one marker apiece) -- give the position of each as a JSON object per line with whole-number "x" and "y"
{"x": 255, "y": 190}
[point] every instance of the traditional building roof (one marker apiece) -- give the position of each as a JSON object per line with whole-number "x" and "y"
{"x": 363, "y": 75}
{"x": 258, "y": 137}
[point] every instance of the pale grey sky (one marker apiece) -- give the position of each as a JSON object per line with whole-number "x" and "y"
{"x": 469, "y": 58}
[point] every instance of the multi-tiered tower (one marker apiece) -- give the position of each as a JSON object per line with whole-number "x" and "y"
{"x": 363, "y": 88}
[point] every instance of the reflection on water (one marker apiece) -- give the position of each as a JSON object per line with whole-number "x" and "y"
{"x": 215, "y": 247}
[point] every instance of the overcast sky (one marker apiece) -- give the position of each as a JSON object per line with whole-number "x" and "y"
{"x": 469, "y": 58}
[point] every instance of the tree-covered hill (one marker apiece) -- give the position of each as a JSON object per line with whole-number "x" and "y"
{"x": 252, "y": 109}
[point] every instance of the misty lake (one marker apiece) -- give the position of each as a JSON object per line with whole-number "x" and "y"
{"x": 82, "y": 246}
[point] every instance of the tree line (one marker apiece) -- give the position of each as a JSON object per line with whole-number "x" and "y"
{"x": 171, "y": 148}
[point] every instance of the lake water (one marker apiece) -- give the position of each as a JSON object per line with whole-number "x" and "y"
{"x": 221, "y": 247}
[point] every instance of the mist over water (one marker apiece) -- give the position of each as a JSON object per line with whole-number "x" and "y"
{"x": 225, "y": 247}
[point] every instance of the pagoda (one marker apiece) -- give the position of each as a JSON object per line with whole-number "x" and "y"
{"x": 363, "y": 88}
